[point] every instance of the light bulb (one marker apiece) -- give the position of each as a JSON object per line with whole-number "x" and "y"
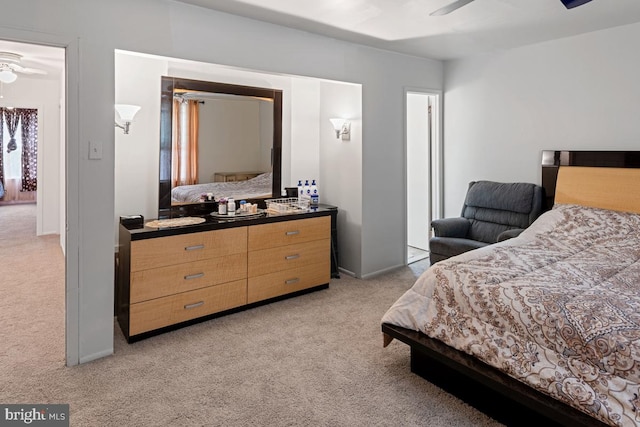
{"x": 7, "y": 76}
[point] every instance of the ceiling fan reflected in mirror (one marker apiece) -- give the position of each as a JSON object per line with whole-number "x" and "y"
{"x": 457, "y": 4}
{"x": 10, "y": 64}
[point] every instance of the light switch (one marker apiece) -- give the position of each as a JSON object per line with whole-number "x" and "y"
{"x": 95, "y": 150}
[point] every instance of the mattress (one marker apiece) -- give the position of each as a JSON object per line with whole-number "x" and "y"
{"x": 557, "y": 308}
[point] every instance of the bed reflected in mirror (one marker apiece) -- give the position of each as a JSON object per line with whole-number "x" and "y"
{"x": 219, "y": 140}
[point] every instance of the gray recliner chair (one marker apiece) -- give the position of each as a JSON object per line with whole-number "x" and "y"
{"x": 492, "y": 212}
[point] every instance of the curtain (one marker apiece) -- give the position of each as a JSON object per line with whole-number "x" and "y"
{"x": 29, "y": 118}
{"x": 12, "y": 117}
{"x": 1, "y": 156}
{"x": 194, "y": 123}
{"x": 184, "y": 149}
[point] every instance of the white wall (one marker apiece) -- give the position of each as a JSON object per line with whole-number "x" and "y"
{"x": 306, "y": 153}
{"x": 233, "y": 127}
{"x": 137, "y": 154}
{"x": 96, "y": 28}
{"x": 340, "y": 172}
{"x": 305, "y": 131}
{"x": 44, "y": 95}
{"x": 502, "y": 110}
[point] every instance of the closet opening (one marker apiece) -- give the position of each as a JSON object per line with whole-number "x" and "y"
{"x": 423, "y": 169}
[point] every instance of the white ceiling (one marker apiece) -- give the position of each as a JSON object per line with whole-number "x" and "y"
{"x": 404, "y": 26}
{"x": 483, "y": 26}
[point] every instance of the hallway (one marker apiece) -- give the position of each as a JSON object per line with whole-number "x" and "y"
{"x": 32, "y": 303}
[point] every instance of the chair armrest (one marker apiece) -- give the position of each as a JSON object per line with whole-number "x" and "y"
{"x": 509, "y": 234}
{"x": 450, "y": 227}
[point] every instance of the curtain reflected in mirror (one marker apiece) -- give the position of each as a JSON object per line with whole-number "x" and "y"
{"x": 185, "y": 124}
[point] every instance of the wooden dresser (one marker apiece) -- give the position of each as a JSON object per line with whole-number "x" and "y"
{"x": 173, "y": 277}
{"x": 288, "y": 256}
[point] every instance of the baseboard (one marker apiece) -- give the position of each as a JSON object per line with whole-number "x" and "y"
{"x": 347, "y": 272}
{"x": 380, "y": 272}
{"x": 95, "y": 356}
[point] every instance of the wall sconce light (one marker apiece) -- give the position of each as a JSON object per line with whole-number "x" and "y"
{"x": 126, "y": 113}
{"x": 342, "y": 128}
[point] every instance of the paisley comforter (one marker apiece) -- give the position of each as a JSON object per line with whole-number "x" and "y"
{"x": 557, "y": 308}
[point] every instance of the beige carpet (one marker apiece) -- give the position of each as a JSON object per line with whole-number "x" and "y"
{"x": 315, "y": 360}
{"x": 31, "y": 296}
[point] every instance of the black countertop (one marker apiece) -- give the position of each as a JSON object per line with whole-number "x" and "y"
{"x": 217, "y": 223}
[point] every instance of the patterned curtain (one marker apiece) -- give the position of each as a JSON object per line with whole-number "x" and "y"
{"x": 12, "y": 116}
{"x": 29, "y": 118}
{"x": 1, "y": 145}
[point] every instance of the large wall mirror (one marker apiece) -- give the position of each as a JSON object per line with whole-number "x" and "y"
{"x": 219, "y": 139}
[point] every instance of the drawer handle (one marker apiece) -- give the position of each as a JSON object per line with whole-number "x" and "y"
{"x": 290, "y": 257}
{"x": 194, "y": 305}
{"x": 193, "y": 276}
{"x": 193, "y": 248}
{"x": 291, "y": 233}
{"x": 291, "y": 281}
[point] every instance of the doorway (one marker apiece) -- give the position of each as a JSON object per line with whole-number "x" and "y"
{"x": 423, "y": 169}
{"x": 32, "y": 98}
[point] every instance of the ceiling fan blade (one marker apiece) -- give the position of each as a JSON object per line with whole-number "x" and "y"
{"x": 570, "y": 4}
{"x": 33, "y": 71}
{"x": 26, "y": 70}
{"x": 451, "y": 7}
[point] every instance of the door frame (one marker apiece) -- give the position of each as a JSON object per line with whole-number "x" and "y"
{"x": 436, "y": 169}
{"x": 72, "y": 169}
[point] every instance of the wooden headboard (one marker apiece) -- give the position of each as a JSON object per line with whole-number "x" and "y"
{"x": 604, "y": 179}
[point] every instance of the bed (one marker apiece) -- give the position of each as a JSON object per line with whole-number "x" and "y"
{"x": 254, "y": 188}
{"x": 550, "y": 320}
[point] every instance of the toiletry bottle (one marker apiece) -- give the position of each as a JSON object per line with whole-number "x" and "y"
{"x": 231, "y": 207}
{"x": 243, "y": 206}
{"x": 307, "y": 189}
{"x": 222, "y": 206}
{"x": 300, "y": 189}
{"x": 315, "y": 198}
{"x": 313, "y": 187}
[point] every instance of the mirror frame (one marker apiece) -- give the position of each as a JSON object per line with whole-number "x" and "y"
{"x": 168, "y": 86}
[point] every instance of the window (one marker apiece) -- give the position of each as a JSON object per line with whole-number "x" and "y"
{"x": 19, "y": 146}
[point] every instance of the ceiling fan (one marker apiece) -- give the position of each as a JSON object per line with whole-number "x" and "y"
{"x": 10, "y": 64}
{"x": 457, "y": 4}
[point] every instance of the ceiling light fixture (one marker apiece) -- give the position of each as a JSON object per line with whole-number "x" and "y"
{"x": 7, "y": 75}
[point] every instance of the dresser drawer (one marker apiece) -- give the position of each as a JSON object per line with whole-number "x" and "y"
{"x": 288, "y": 232}
{"x": 163, "y": 281}
{"x": 149, "y": 315}
{"x": 286, "y": 257}
{"x": 288, "y": 281}
{"x": 164, "y": 251}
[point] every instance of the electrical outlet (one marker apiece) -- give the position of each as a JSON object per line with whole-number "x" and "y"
{"x": 95, "y": 150}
